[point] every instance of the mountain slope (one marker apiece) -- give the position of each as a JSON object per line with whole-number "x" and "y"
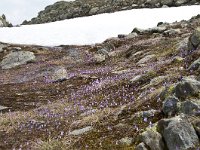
{"x": 66, "y": 10}
{"x": 104, "y": 96}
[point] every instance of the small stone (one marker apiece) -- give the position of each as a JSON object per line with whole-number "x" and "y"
{"x": 147, "y": 59}
{"x": 126, "y": 141}
{"x": 81, "y": 131}
{"x": 172, "y": 32}
{"x": 178, "y": 59}
{"x": 99, "y": 58}
{"x": 121, "y": 71}
{"x": 103, "y": 51}
{"x": 3, "y": 108}
{"x": 15, "y": 49}
{"x": 165, "y": 6}
{"x": 131, "y": 35}
{"x": 138, "y": 31}
{"x": 149, "y": 113}
{"x": 121, "y": 36}
{"x": 93, "y": 11}
{"x": 158, "y": 80}
{"x": 115, "y": 53}
{"x": 1, "y": 47}
{"x": 141, "y": 146}
{"x": 180, "y": 2}
{"x": 136, "y": 78}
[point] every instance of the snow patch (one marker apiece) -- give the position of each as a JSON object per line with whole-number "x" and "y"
{"x": 94, "y": 29}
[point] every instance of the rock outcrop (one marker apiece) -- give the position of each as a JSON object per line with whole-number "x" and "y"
{"x": 4, "y": 22}
{"x": 79, "y": 8}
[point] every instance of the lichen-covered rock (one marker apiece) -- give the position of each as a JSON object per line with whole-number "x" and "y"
{"x": 196, "y": 124}
{"x": 158, "y": 80}
{"x": 55, "y": 74}
{"x": 17, "y": 58}
{"x": 172, "y": 32}
{"x": 170, "y": 106}
{"x": 187, "y": 87}
{"x": 99, "y": 58}
{"x": 194, "y": 40}
{"x": 195, "y": 65}
{"x": 153, "y": 139}
{"x": 143, "y": 77}
{"x": 178, "y": 133}
{"x": 178, "y": 59}
{"x": 167, "y": 91}
{"x": 190, "y": 107}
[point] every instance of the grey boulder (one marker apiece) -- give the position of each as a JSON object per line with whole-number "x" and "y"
{"x": 178, "y": 133}
{"x": 56, "y": 74}
{"x": 17, "y": 58}
{"x": 191, "y": 107}
{"x": 152, "y": 139}
{"x": 196, "y": 125}
{"x": 170, "y": 106}
{"x": 187, "y": 87}
{"x": 194, "y": 40}
{"x": 195, "y": 65}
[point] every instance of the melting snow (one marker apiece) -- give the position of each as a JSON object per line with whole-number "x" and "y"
{"x": 94, "y": 29}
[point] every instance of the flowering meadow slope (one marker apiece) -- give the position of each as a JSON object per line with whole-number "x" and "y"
{"x": 125, "y": 93}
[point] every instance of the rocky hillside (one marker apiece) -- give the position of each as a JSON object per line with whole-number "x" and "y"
{"x": 139, "y": 91}
{"x": 79, "y": 8}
